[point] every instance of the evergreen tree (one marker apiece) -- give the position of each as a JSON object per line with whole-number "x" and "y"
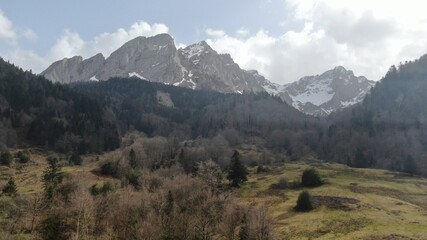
{"x": 10, "y": 188}
{"x": 23, "y": 156}
{"x": 304, "y": 202}
{"x": 6, "y": 158}
{"x": 52, "y": 177}
{"x": 237, "y": 172}
{"x": 311, "y": 178}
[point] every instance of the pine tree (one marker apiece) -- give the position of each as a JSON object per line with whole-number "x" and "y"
{"x": 237, "y": 172}
{"x": 304, "y": 202}
{"x": 6, "y": 158}
{"x": 52, "y": 177}
{"x": 311, "y": 178}
{"x": 10, "y": 188}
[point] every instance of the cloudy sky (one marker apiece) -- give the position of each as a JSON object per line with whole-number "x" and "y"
{"x": 283, "y": 39}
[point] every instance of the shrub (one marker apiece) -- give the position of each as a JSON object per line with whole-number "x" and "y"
{"x": 281, "y": 184}
{"x": 104, "y": 189}
{"x": 304, "y": 202}
{"x": 23, "y": 156}
{"x": 261, "y": 169}
{"x": 110, "y": 168}
{"x": 10, "y": 188}
{"x": 6, "y": 158}
{"x": 54, "y": 226}
{"x": 311, "y": 178}
{"x": 66, "y": 190}
{"x": 132, "y": 178}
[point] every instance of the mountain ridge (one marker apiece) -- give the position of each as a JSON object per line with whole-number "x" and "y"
{"x": 198, "y": 66}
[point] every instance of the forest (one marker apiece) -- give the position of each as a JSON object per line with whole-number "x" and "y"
{"x": 387, "y": 130}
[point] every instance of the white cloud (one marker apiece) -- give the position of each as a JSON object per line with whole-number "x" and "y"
{"x": 366, "y": 37}
{"x": 11, "y": 34}
{"x": 361, "y": 36}
{"x": 6, "y": 29}
{"x": 70, "y": 44}
{"x": 215, "y": 33}
{"x": 29, "y": 34}
{"x": 242, "y": 32}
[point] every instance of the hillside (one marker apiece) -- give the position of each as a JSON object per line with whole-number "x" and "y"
{"x": 93, "y": 116}
{"x": 353, "y": 204}
{"x": 35, "y": 111}
{"x": 388, "y": 129}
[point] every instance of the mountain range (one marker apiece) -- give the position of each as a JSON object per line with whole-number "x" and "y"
{"x": 388, "y": 129}
{"x": 198, "y": 66}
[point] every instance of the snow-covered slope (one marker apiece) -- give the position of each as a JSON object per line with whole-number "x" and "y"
{"x": 322, "y": 94}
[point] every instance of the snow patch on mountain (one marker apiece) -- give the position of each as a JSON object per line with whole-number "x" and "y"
{"x": 134, "y": 74}
{"x": 93, "y": 78}
{"x": 315, "y": 92}
{"x": 194, "y": 50}
{"x": 323, "y": 94}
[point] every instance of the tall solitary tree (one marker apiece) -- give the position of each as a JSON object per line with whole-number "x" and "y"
{"x": 237, "y": 172}
{"x": 52, "y": 177}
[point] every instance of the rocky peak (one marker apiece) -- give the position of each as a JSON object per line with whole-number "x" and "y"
{"x": 328, "y": 92}
{"x": 198, "y": 66}
{"x": 196, "y": 50}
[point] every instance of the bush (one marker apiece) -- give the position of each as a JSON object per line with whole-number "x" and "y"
{"x": 304, "y": 202}
{"x": 10, "y": 188}
{"x": 6, "y": 158}
{"x": 261, "y": 169}
{"x": 23, "y": 156}
{"x": 110, "y": 168}
{"x": 54, "y": 227}
{"x": 104, "y": 189}
{"x": 132, "y": 178}
{"x": 281, "y": 184}
{"x": 66, "y": 190}
{"x": 311, "y": 178}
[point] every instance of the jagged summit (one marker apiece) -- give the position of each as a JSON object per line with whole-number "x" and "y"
{"x": 332, "y": 90}
{"x": 198, "y": 66}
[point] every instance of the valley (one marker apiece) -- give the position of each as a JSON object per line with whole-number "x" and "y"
{"x": 227, "y": 120}
{"x": 352, "y": 203}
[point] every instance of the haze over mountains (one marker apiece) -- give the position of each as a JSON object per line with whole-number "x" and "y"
{"x": 199, "y": 67}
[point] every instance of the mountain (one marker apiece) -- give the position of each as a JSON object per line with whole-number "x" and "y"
{"x": 156, "y": 59}
{"x": 388, "y": 129}
{"x": 323, "y": 94}
{"x": 198, "y": 66}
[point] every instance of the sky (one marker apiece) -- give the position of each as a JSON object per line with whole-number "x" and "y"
{"x": 283, "y": 39}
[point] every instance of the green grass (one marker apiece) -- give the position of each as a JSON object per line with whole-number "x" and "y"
{"x": 386, "y": 205}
